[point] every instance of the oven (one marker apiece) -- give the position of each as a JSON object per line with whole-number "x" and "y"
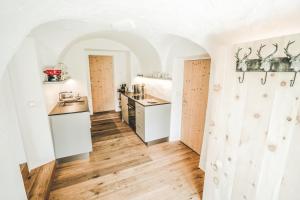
{"x": 131, "y": 113}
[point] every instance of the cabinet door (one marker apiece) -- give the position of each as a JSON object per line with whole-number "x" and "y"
{"x": 140, "y": 120}
{"x": 195, "y": 94}
{"x": 71, "y": 134}
{"x": 124, "y": 107}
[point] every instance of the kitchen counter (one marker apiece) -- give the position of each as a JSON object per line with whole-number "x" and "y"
{"x": 70, "y": 127}
{"x": 68, "y": 108}
{"x": 147, "y": 115}
{"x": 146, "y": 99}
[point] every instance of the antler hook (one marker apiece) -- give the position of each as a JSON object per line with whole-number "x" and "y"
{"x": 264, "y": 80}
{"x": 292, "y": 82}
{"x": 241, "y": 80}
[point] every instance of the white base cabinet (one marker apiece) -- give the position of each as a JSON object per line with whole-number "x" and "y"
{"x": 153, "y": 122}
{"x": 71, "y": 134}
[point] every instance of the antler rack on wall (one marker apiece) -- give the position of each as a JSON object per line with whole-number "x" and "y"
{"x": 268, "y": 63}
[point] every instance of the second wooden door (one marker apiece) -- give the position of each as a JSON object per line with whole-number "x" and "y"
{"x": 101, "y": 75}
{"x": 195, "y": 94}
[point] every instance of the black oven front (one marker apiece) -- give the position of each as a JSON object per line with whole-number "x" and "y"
{"x": 131, "y": 113}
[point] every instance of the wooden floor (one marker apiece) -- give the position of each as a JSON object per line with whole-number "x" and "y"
{"x": 37, "y": 182}
{"x": 121, "y": 167}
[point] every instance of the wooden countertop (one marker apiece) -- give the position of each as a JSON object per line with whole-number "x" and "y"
{"x": 69, "y": 108}
{"x": 146, "y": 99}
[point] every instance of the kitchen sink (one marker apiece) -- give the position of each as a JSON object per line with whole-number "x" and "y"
{"x": 71, "y": 102}
{"x": 151, "y": 101}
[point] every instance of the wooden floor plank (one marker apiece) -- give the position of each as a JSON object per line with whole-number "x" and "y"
{"x": 121, "y": 166}
{"x": 38, "y": 181}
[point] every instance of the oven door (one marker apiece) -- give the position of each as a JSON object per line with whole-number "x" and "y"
{"x": 131, "y": 115}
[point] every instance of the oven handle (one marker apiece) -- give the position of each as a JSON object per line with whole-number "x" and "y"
{"x": 130, "y": 106}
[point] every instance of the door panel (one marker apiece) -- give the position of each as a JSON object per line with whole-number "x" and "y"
{"x": 101, "y": 76}
{"x": 195, "y": 94}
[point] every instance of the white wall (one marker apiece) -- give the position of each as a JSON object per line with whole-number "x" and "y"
{"x": 125, "y": 66}
{"x": 32, "y": 114}
{"x": 11, "y": 147}
{"x": 250, "y": 150}
{"x": 156, "y": 87}
{"x": 12, "y": 124}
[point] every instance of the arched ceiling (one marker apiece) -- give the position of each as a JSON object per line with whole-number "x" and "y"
{"x": 61, "y": 35}
{"x": 207, "y": 22}
{"x": 140, "y": 46}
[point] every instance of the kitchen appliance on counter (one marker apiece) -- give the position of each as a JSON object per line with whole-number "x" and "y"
{"x": 131, "y": 113}
{"x": 68, "y": 97}
{"x": 122, "y": 88}
{"x": 138, "y": 89}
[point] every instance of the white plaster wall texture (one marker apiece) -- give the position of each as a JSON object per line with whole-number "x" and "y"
{"x": 248, "y": 142}
{"x": 30, "y": 104}
{"x": 11, "y": 121}
{"x": 12, "y": 152}
{"x": 156, "y": 87}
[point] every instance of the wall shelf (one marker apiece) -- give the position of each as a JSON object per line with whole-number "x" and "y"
{"x": 55, "y": 82}
{"x": 151, "y": 77}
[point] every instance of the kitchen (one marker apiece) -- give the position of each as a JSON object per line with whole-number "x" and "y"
{"x": 74, "y": 95}
{"x": 144, "y": 103}
{"x": 147, "y": 115}
{"x": 211, "y": 91}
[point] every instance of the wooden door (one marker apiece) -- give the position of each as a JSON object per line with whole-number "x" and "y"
{"x": 101, "y": 75}
{"x": 195, "y": 94}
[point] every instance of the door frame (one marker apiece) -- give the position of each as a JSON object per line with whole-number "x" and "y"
{"x": 88, "y": 77}
{"x": 177, "y": 94}
{"x": 113, "y": 80}
{"x": 182, "y": 95}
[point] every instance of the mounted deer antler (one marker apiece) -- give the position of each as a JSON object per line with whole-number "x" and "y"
{"x": 275, "y": 50}
{"x": 269, "y": 56}
{"x": 237, "y": 54}
{"x": 265, "y": 61}
{"x": 241, "y": 63}
{"x": 295, "y": 62}
{"x": 286, "y": 49}
{"x": 259, "y": 51}
{"x": 247, "y": 55}
{"x": 244, "y": 57}
{"x": 290, "y": 56}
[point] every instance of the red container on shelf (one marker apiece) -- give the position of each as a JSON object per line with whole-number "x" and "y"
{"x": 52, "y": 72}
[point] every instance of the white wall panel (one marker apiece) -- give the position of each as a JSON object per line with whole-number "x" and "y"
{"x": 250, "y": 151}
{"x": 31, "y": 109}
